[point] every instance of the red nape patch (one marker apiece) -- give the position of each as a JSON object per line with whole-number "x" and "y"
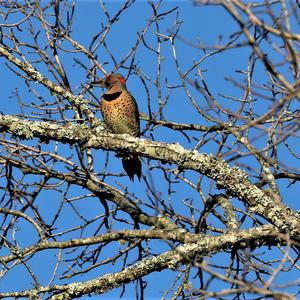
{"x": 122, "y": 80}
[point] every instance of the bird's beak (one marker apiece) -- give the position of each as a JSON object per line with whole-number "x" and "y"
{"x": 100, "y": 82}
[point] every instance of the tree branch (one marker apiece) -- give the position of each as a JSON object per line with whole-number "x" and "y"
{"x": 232, "y": 179}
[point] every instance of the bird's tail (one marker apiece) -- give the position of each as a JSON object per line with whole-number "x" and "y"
{"x": 132, "y": 166}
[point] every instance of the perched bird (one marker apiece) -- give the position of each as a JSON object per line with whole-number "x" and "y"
{"x": 120, "y": 113}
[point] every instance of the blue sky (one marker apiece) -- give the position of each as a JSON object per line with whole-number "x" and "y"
{"x": 200, "y": 25}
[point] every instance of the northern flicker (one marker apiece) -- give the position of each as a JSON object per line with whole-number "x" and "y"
{"x": 120, "y": 113}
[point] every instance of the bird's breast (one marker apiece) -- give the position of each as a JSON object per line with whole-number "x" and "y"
{"x": 120, "y": 113}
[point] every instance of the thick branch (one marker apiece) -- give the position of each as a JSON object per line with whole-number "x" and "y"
{"x": 185, "y": 254}
{"x": 232, "y": 179}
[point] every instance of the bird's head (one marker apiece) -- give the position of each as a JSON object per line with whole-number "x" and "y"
{"x": 111, "y": 80}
